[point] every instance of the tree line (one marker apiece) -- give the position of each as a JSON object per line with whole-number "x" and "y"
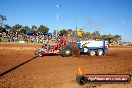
{"x": 21, "y": 28}
{"x": 43, "y": 29}
{"x": 96, "y": 35}
{"x": 24, "y": 29}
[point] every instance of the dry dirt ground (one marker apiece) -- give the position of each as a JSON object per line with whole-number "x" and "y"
{"x": 57, "y": 71}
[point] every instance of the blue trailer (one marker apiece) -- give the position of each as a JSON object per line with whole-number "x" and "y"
{"x": 93, "y": 47}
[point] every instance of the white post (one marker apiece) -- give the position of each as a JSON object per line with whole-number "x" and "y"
{"x": 57, "y": 18}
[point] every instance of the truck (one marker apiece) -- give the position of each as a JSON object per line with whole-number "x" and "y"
{"x": 92, "y": 47}
{"x": 65, "y": 49}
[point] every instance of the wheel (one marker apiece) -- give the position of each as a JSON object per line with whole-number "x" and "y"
{"x": 100, "y": 52}
{"x": 92, "y": 53}
{"x": 62, "y": 51}
{"x": 65, "y": 51}
{"x": 38, "y": 53}
{"x": 81, "y": 80}
{"x": 75, "y": 49}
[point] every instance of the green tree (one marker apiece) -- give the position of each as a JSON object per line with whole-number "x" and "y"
{"x": 2, "y": 29}
{"x": 88, "y": 35}
{"x": 34, "y": 28}
{"x": 7, "y": 27}
{"x": 63, "y": 32}
{"x": 70, "y": 32}
{"x": 24, "y": 30}
{"x": 43, "y": 29}
{"x": 104, "y": 37}
{"x": 96, "y": 35}
{"x": 117, "y": 38}
{"x": 110, "y": 38}
{"x": 54, "y": 33}
{"x": 2, "y": 19}
{"x": 16, "y": 28}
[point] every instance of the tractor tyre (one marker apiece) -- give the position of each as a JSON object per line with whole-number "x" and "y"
{"x": 65, "y": 51}
{"x": 75, "y": 49}
{"x": 62, "y": 51}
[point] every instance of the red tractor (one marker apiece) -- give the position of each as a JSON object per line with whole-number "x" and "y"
{"x": 59, "y": 48}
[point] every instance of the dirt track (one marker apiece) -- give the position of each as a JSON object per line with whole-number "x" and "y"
{"x": 57, "y": 71}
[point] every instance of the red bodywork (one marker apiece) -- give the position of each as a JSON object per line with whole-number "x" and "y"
{"x": 51, "y": 51}
{"x": 56, "y": 48}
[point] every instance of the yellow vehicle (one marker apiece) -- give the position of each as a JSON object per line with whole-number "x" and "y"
{"x": 80, "y": 33}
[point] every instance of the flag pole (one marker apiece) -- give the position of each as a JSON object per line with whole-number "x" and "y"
{"x": 57, "y": 17}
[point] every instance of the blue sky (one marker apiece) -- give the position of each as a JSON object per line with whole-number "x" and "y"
{"x": 106, "y": 16}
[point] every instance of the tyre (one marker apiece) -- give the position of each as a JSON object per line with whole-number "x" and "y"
{"x": 100, "y": 52}
{"x": 65, "y": 51}
{"x": 62, "y": 51}
{"x": 92, "y": 53}
{"x": 75, "y": 49}
{"x": 38, "y": 53}
{"x": 81, "y": 80}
